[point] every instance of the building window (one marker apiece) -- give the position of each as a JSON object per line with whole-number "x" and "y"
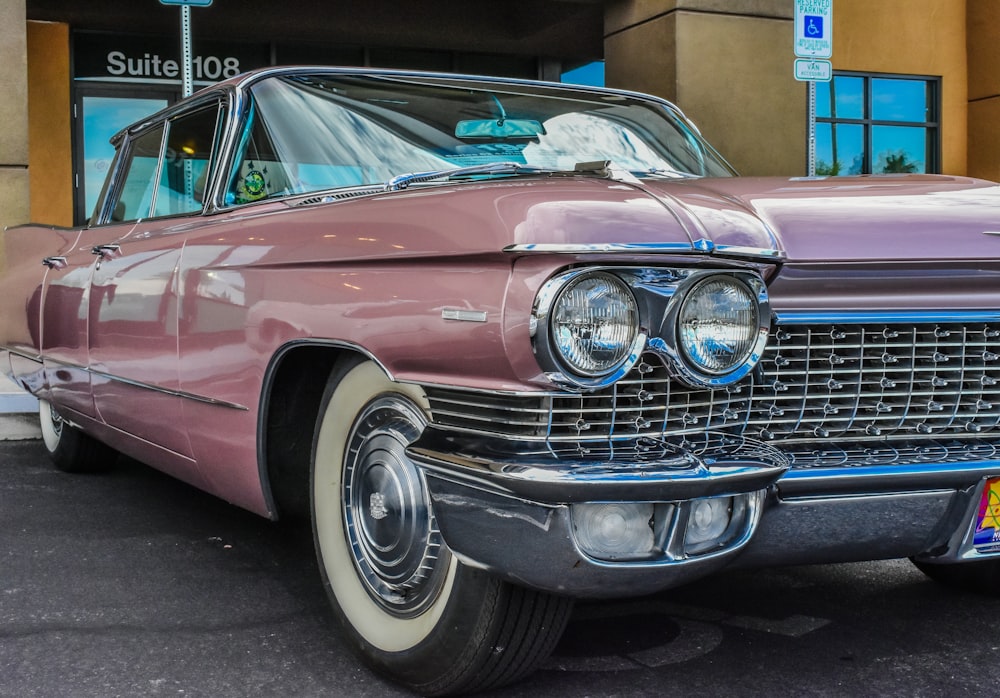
{"x": 872, "y": 123}
{"x": 588, "y": 74}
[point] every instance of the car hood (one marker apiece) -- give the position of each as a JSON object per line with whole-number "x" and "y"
{"x": 844, "y": 219}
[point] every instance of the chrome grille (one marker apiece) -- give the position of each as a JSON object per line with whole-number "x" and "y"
{"x": 859, "y": 393}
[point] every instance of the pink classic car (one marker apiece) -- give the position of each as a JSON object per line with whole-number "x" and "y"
{"x": 513, "y": 343}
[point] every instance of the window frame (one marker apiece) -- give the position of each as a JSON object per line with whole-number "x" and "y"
{"x": 932, "y": 126}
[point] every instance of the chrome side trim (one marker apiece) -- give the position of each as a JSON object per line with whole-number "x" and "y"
{"x": 806, "y": 482}
{"x": 613, "y": 247}
{"x": 701, "y": 247}
{"x": 23, "y": 354}
{"x": 168, "y": 391}
{"x": 916, "y": 317}
{"x": 149, "y": 386}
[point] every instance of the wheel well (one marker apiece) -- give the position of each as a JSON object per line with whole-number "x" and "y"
{"x": 291, "y": 407}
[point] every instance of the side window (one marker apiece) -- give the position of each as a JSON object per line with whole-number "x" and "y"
{"x": 167, "y": 176}
{"x": 137, "y": 191}
{"x": 181, "y": 187}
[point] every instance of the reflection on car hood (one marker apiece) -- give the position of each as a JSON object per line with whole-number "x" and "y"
{"x": 848, "y": 219}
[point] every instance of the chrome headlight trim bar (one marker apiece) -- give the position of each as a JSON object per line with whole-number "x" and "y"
{"x": 703, "y": 246}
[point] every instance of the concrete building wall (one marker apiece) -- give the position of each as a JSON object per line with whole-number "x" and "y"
{"x": 13, "y": 116}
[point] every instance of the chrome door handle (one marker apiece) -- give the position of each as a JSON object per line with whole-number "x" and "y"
{"x": 105, "y": 251}
{"x": 54, "y": 262}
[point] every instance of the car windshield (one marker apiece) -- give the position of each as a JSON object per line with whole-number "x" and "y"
{"x": 315, "y": 132}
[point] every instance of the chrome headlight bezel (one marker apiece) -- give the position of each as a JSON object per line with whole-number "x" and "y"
{"x": 671, "y": 342}
{"x": 549, "y": 342}
{"x": 660, "y": 295}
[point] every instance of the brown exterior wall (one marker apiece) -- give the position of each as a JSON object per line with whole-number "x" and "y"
{"x": 49, "y": 129}
{"x": 50, "y": 125}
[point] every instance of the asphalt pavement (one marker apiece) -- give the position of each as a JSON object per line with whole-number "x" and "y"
{"x": 133, "y": 584}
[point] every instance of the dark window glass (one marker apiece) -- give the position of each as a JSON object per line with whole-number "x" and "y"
{"x": 877, "y": 124}
{"x": 184, "y": 172}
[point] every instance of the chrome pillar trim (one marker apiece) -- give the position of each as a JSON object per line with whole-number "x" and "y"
{"x": 722, "y": 466}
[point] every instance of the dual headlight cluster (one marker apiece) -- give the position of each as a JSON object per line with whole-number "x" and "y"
{"x": 590, "y": 326}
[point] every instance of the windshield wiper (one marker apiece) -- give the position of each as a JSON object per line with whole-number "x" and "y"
{"x": 404, "y": 180}
{"x": 600, "y": 168}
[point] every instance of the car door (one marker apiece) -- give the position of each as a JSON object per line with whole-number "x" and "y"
{"x": 133, "y": 306}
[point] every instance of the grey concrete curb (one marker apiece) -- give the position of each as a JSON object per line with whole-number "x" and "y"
{"x": 19, "y": 427}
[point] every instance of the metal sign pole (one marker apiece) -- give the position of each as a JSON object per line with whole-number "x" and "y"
{"x": 186, "y": 81}
{"x": 811, "y": 164}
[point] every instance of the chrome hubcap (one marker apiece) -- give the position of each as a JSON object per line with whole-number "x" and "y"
{"x": 57, "y": 422}
{"x": 391, "y": 531}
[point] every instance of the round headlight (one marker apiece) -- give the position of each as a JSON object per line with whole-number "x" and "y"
{"x": 594, "y": 323}
{"x": 719, "y": 324}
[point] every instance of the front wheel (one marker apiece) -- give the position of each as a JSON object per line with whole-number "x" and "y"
{"x": 982, "y": 577}
{"x": 411, "y": 609}
{"x": 70, "y": 449}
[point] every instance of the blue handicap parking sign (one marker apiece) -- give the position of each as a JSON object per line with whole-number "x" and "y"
{"x": 812, "y": 26}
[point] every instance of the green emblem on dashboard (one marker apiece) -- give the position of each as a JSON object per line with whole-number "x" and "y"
{"x": 254, "y": 185}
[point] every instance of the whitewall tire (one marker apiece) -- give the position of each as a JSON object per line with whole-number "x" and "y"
{"x": 412, "y": 610}
{"x": 70, "y": 449}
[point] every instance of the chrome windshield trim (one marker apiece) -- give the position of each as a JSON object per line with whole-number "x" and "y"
{"x": 890, "y": 316}
{"x": 701, "y": 247}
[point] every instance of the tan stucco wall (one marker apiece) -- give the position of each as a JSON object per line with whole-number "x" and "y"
{"x": 50, "y": 127}
{"x": 983, "y": 28}
{"x": 913, "y": 37}
{"x": 728, "y": 65}
{"x": 14, "y": 116}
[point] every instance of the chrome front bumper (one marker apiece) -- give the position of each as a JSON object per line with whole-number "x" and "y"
{"x": 513, "y": 514}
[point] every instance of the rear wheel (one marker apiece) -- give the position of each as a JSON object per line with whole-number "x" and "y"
{"x": 982, "y": 577}
{"x": 411, "y": 609}
{"x": 70, "y": 449}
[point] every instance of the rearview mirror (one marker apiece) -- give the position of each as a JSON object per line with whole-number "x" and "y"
{"x": 499, "y": 128}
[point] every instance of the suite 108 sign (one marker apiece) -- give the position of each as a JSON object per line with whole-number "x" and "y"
{"x": 154, "y": 66}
